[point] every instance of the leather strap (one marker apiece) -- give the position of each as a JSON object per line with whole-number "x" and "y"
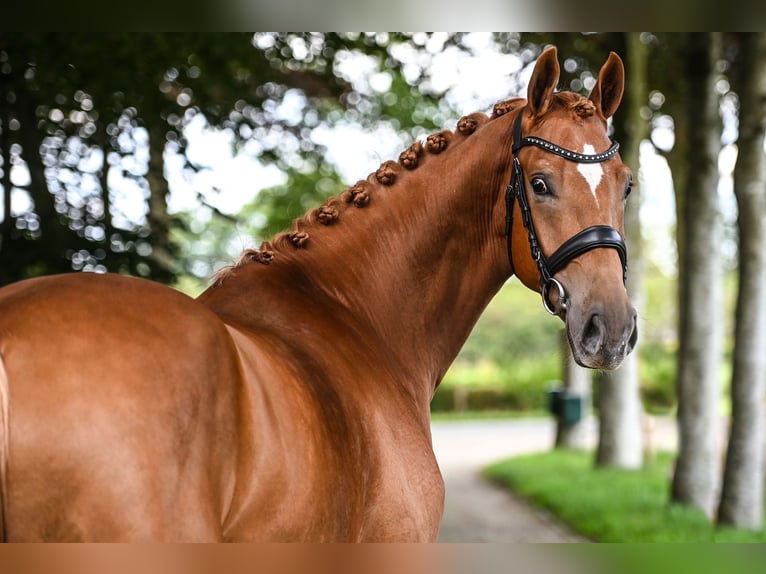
{"x": 591, "y": 238}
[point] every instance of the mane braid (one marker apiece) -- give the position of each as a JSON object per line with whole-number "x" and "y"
{"x": 361, "y": 194}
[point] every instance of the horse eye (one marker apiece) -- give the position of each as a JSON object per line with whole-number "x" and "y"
{"x": 629, "y": 187}
{"x": 539, "y": 186}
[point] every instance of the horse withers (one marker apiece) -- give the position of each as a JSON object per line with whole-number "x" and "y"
{"x": 290, "y": 401}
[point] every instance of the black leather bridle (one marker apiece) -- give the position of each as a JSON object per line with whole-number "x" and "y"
{"x": 586, "y": 240}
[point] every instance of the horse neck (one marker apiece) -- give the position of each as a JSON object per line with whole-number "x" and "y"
{"x": 413, "y": 255}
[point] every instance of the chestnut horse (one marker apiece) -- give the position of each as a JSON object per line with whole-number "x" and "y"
{"x": 290, "y": 401}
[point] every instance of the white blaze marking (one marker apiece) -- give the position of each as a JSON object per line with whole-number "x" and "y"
{"x": 592, "y": 172}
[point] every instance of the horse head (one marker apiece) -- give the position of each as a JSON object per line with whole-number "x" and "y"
{"x": 567, "y": 198}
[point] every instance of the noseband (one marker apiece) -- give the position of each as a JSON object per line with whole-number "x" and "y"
{"x": 586, "y": 240}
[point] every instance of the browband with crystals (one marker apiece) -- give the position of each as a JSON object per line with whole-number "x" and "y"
{"x": 565, "y": 153}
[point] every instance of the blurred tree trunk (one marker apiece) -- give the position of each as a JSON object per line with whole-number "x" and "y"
{"x": 695, "y": 481}
{"x": 620, "y": 411}
{"x": 31, "y": 140}
{"x": 47, "y": 253}
{"x": 5, "y": 153}
{"x": 160, "y": 221}
{"x": 571, "y": 433}
{"x": 742, "y": 496}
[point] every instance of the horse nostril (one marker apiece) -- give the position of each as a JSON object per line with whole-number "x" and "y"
{"x": 593, "y": 334}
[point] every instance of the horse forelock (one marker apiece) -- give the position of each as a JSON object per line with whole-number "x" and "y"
{"x": 579, "y": 107}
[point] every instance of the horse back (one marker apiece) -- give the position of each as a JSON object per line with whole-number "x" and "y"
{"x": 123, "y": 411}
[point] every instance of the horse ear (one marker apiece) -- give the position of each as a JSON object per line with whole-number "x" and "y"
{"x": 607, "y": 93}
{"x": 543, "y": 82}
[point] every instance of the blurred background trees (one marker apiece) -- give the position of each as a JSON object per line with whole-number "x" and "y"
{"x": 164, "y": 155}
{"x": 98, "y": 126}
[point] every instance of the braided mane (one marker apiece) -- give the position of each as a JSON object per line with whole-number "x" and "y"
{"x": 360, "y": 195}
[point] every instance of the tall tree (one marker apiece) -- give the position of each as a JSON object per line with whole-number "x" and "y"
{"x": 742, "y": 495}
{"x": 620, "y": 411}
{"x": 697, "y": 472}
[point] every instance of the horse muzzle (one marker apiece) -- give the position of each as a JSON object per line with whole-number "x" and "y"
{"x": 601, "y": 338}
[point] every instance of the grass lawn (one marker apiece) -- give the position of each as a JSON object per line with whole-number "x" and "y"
{"x": 608, "y": 505}
{"x": 451, "y": 416}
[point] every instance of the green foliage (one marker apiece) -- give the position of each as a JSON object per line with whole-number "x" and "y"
{"x": 509, "y": 360}
{"x": 514, "y": 327}
{"x": 504, "y": 414}
{"x": 611, "y": 505}
{"x": 210, "y": 242}
{"x": 657, "y": 375}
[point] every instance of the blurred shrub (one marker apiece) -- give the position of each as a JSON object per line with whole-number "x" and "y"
{"x": 658, "y": 376}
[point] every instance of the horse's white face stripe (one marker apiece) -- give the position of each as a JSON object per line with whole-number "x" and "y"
{"x": 592, "y": 172}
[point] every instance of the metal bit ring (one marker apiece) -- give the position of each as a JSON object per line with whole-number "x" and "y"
{"x": 545, "y": 291}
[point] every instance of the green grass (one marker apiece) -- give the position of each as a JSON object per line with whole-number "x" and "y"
{"x": 610, "y": 505}
{"x": 498, "y": 414}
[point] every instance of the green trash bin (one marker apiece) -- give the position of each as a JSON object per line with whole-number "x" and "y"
{"x": 555, "y": 395}
{"x": 571, "y": 409}
{"x": 565, "y": 406}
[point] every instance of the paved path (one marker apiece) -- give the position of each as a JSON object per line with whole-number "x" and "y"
{"x": 479, "y": 511}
